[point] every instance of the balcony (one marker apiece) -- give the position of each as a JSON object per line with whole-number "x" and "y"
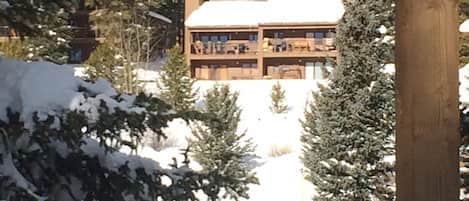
{"x": 299, "y": 47}
{"x": 231, "y": 49}
{"x": 7, "y": 33}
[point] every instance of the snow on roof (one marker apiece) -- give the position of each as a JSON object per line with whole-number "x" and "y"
{"x": 464, "y": 26}
{"x": 253, "y": 13}
{"x": 160, "y": 17}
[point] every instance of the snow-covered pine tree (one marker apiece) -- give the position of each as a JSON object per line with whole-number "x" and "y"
{"x": 217, "y": 146}
{"x": 349, "y": 127}
{"x": 60, "y": 151}
{"x": 176, "y": 87}
{"x": 277, "y": 97}
{"x": 464, "y": 130}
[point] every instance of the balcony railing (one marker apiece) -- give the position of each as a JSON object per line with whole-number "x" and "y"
{"x": 269, "y": 45}
{"x": 4, "y": 31}
{"x": 298, "y": 45}
{"x": 235, "y": 47}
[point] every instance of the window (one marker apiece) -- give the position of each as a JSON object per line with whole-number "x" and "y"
{"x": 214, "y": 39}
{"x": 319, "y": 36}
{"x": 75, "y": 56}
{"x": 330, "y": 34}
{"x": 313, "y": 70}
{"x": 318, "y": 74}
{"x": 249, "y": 65}
{"x": 310, "y": 35}
{"x": 224, "y": 38}
{"x": 276, "y": 69}
{"x": 252, "y": 37}
{"x": 204, "y": 39}
{"x": 278, "y": 34}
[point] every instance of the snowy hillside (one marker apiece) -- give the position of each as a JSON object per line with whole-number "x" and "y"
{"x": 280, "y": 176}
{"x": 276, "y": 135}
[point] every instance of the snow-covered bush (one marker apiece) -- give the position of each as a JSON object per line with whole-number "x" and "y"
{"x": 60, "y": 139}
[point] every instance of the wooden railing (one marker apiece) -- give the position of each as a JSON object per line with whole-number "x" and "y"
{"x": 225, "y": 73}
{"x": 228, "y": 47}
{"x": 298, "y": 45}
{"x": 269, "y": 45}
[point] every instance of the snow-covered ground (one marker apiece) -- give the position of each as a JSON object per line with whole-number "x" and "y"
{"x": 280, "y": 176}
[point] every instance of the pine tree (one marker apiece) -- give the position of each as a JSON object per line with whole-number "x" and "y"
{"x": 175, "y": 84}
{"x": 131, "y": 31}
{"x": 278, "y": 97}
{"x": 45, "y": 23}
{"x": 217, "y": 146}
{"x": 13, "y": 49}
{"x": 463, "y": 39}
{"x": 66, "y": 152}
{"x": 103, "y": 63}
{"x": 464, "y": 130}
{"x": 349, "y": 127}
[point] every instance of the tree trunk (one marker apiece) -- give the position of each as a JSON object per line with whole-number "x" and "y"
{"x": 427, "y": 101}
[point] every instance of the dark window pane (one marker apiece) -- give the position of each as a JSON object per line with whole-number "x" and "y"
{"x": 223, "y": 38}
{"x": 214, "y": 38}
{"x": 319, "y": 35}
{"x": 205, "y": 39}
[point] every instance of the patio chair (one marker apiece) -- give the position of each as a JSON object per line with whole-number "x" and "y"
{"x": 209, "y": 49}
{"x": 199, "y": 47}
{"x": 219, "y": 47}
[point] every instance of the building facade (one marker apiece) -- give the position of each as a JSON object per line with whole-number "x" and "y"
{"x": 271, "y": 39}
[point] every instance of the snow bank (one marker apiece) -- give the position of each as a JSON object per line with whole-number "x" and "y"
{"x": 281, "y": 179}
{"x": 464, "y": 85}
{"x": 49, "y": 89}
{"x": 253, "y": 13}
{"x": 4, "y": 5}
{"x": 464, "y": 27}
{"x": 35, "y": 86}
{"x": 268, "y": 129}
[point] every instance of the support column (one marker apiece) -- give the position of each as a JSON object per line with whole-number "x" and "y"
{"x": 187, "y": 49}
{"x": 260, "y": 53}
{"x": 427, "y": 101}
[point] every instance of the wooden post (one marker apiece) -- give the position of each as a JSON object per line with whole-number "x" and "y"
{"x": 260, "y": 53}
{"x": 427, "y": 101}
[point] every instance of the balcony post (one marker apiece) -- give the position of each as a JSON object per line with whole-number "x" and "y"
{"x": 427, "y": 101}
{"x": 260, "y": 52}
{"x": 187, "y": 50}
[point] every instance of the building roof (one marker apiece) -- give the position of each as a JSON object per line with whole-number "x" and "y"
{"x": 253, "y": 13}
